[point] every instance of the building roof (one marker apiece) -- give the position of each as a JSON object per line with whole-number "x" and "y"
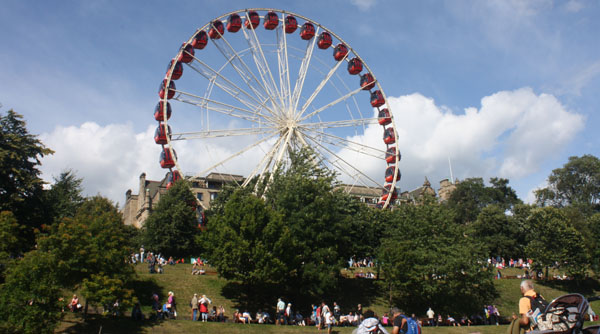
{"x": 222, "y": 177}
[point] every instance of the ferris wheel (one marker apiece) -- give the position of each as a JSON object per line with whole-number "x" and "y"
{"x": 251, "y": 85}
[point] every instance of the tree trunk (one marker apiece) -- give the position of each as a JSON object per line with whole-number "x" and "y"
{"x": 85, "y": 310}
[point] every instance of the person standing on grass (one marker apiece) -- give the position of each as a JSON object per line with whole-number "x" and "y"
{"x": 430, "y": 316}
{"x": 280, "y": 311}
{"x": 204, "y": 302}
{"x": 194, "y": 305}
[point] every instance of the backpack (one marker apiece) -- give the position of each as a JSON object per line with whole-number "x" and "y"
{"x": 412, "y": 327}
{"x": 538, "y": 303}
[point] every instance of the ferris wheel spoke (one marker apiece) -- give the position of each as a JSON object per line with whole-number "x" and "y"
{"x": 350, "y": 145}
{"x": 240, "y": 152}
{"x": 283, "y": 62}
{"x": 223, "y": 133}
{"x": 229, "y": 87}
{"x": 221, "y": 107}
{"x": 238, "y": 64}
{"x": 280, "y": 153}
{"x": 340, "y": 162}
{"x": 321, "y": 85}
{"x": 267, "y": 158}
{"x": 261, "y": 64}
{"x": 340, "y": 124}
{"x": 310, "y": 47}
{"x": 331, "y": 104}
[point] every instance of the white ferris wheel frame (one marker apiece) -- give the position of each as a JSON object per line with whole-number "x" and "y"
{"x": 275, "y": 102}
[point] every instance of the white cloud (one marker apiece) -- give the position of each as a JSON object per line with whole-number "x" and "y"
{"x": 511, "y": 135}
{"x": 574, "y": 6}
{"x": 581, "y": 79}
{"x": 364, "y": 4}
{"x": 109, "y": 159}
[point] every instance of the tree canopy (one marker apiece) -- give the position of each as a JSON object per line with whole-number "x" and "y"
{"x": 299, "y": 237}
{"x": 472, "y": 195}
{"x": 172, "y": 226}
{"x": 576, "y": 183}
{"x": 428, "y": 261}
{"x": 21, "y": 188}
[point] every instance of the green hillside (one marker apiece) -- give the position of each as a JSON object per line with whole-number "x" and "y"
{"x": 179, "y": 280}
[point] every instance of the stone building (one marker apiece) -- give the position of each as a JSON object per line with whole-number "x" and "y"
{"x": 138, "y": 207}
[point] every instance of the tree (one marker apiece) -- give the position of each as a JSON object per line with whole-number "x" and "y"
{"x": 298, "y": 238}
{"x": 553, "y": 241}
{"x": 171, "y": 227}
{"x": 21, "y": 188}
{"x": 498, "y": 232}
{"x": 10, "y": 245}
{"x": 248, "y": 241}
{"x": 427, "y": 260}
{"x": 472, "y": 195}
{"x": 576, "y": 183}
{"x": 64, "y": 196}
{"x": 91, "y": 252}
{"x": 29, "y": 299}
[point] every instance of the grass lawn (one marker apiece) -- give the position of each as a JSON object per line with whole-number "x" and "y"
{"x": 178, "y": 279}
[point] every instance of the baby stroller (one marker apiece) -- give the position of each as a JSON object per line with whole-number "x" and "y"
{"x": 565, "y": 315}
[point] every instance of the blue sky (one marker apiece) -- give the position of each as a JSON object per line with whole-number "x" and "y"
{"x": 501, "y": 88}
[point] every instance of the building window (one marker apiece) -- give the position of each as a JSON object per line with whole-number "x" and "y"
{"x": 199, "y": 196}
{"x": 213, "y": 196}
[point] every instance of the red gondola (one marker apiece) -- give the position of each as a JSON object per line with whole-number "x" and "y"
{"x": 377, "y": 99}
{"x": 177, "y": 70}
{"x": 217, "y": 29}
{"x": 159, "y": 111}
{"x": 354, "y": 66}
{"x": 386, "y": 191}
{"x": 307, "y": 31}
{"x": 389, "y": 136}
{"x": 200, "y": 40}
{"x": 160, "y": 135}
{"x": 187, "y": 53}
{"x": 390, "y": 155}
{"x": 291, "y": 24}
{"x": 170, "y": 90}
{"x": 166, "y": 160}
{"x": 389, "y": 174}
{"x": 234, "y": 23}
{"x": 367, "y": 82}
{"x": 271, "y": 21}
{"x": 384, "y": 117}
{"x": 324, "y": 40}
{"x": 254, "y": 20}
{"x": 339, "y": 52}
{"x": 173, "y": 177}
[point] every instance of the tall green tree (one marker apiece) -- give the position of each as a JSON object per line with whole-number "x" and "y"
{"x": 553, "y": 241}
{"x": 21, "y": 188}
{"x": 576, "y": 183}
{"x": 427, "y": 260}
{"x": 29, "y": 299}
{"x": 472, "y": 195}
{"x": 248, "y": 241}
{"x": 297, "y": 238}
{"x": 91, "y": 252}
{"x": 172, "y": 226}
{"x": 64, "y": 196}
{"x": 499, "y": 232}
